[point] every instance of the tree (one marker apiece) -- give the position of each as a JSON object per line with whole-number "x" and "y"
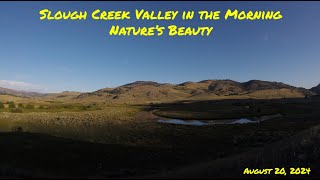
{"x": 1, "y": 105}
{"x": 12, "y": 105}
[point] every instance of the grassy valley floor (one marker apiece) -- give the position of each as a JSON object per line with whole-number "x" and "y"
{"x": 126, "y": 141}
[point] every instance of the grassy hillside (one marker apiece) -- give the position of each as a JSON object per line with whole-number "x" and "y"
{"x": 152, "y": 92}
{"x": 316, "y": 89}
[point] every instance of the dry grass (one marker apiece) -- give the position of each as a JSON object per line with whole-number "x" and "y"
{"x": 95, "y": 126}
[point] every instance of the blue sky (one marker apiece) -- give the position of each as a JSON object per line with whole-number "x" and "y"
{"x": 80, "y": 55}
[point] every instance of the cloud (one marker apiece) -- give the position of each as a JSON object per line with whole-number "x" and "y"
{"x": 21, "y": 86}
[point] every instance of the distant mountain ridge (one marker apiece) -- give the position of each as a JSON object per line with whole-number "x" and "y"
{"x": 12, "y": 92}
{"x": 145, "y": 91}
{"x": 149, "y": 91}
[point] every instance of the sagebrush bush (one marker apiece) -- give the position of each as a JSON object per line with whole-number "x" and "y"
{"x": 1, "y": 105}
{"x": 12, "y": 105}
{"x": 20, "y": 105}
{"x": 16, "y": 110}
{"x": 29, "y": 106}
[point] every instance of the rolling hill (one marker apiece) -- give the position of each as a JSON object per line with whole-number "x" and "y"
{"x": 316, "y": 89}
{"x": 148, "y": 91}
{"x": 5, "y": 91}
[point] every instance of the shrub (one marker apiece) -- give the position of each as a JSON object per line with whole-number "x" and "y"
{"x": 20, "y": 105}
{"x": 12, "y": 105}
{"x": 83, "y": 108}
{"x": 41, "y": 107}
{"x": 29, "y": 106}
{"x": 1, "y": 105}
{"x": 16, "y": 110}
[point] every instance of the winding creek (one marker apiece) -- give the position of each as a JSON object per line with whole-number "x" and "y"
{"x": 219, "y": 122}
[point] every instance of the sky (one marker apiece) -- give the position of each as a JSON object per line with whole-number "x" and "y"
{"x": 55, "y": 56}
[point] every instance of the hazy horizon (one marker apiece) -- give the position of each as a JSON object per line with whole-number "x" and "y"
{"x": 57, "y": 56}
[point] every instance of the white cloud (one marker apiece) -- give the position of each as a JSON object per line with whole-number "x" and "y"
{"x": 21, "y": 86}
